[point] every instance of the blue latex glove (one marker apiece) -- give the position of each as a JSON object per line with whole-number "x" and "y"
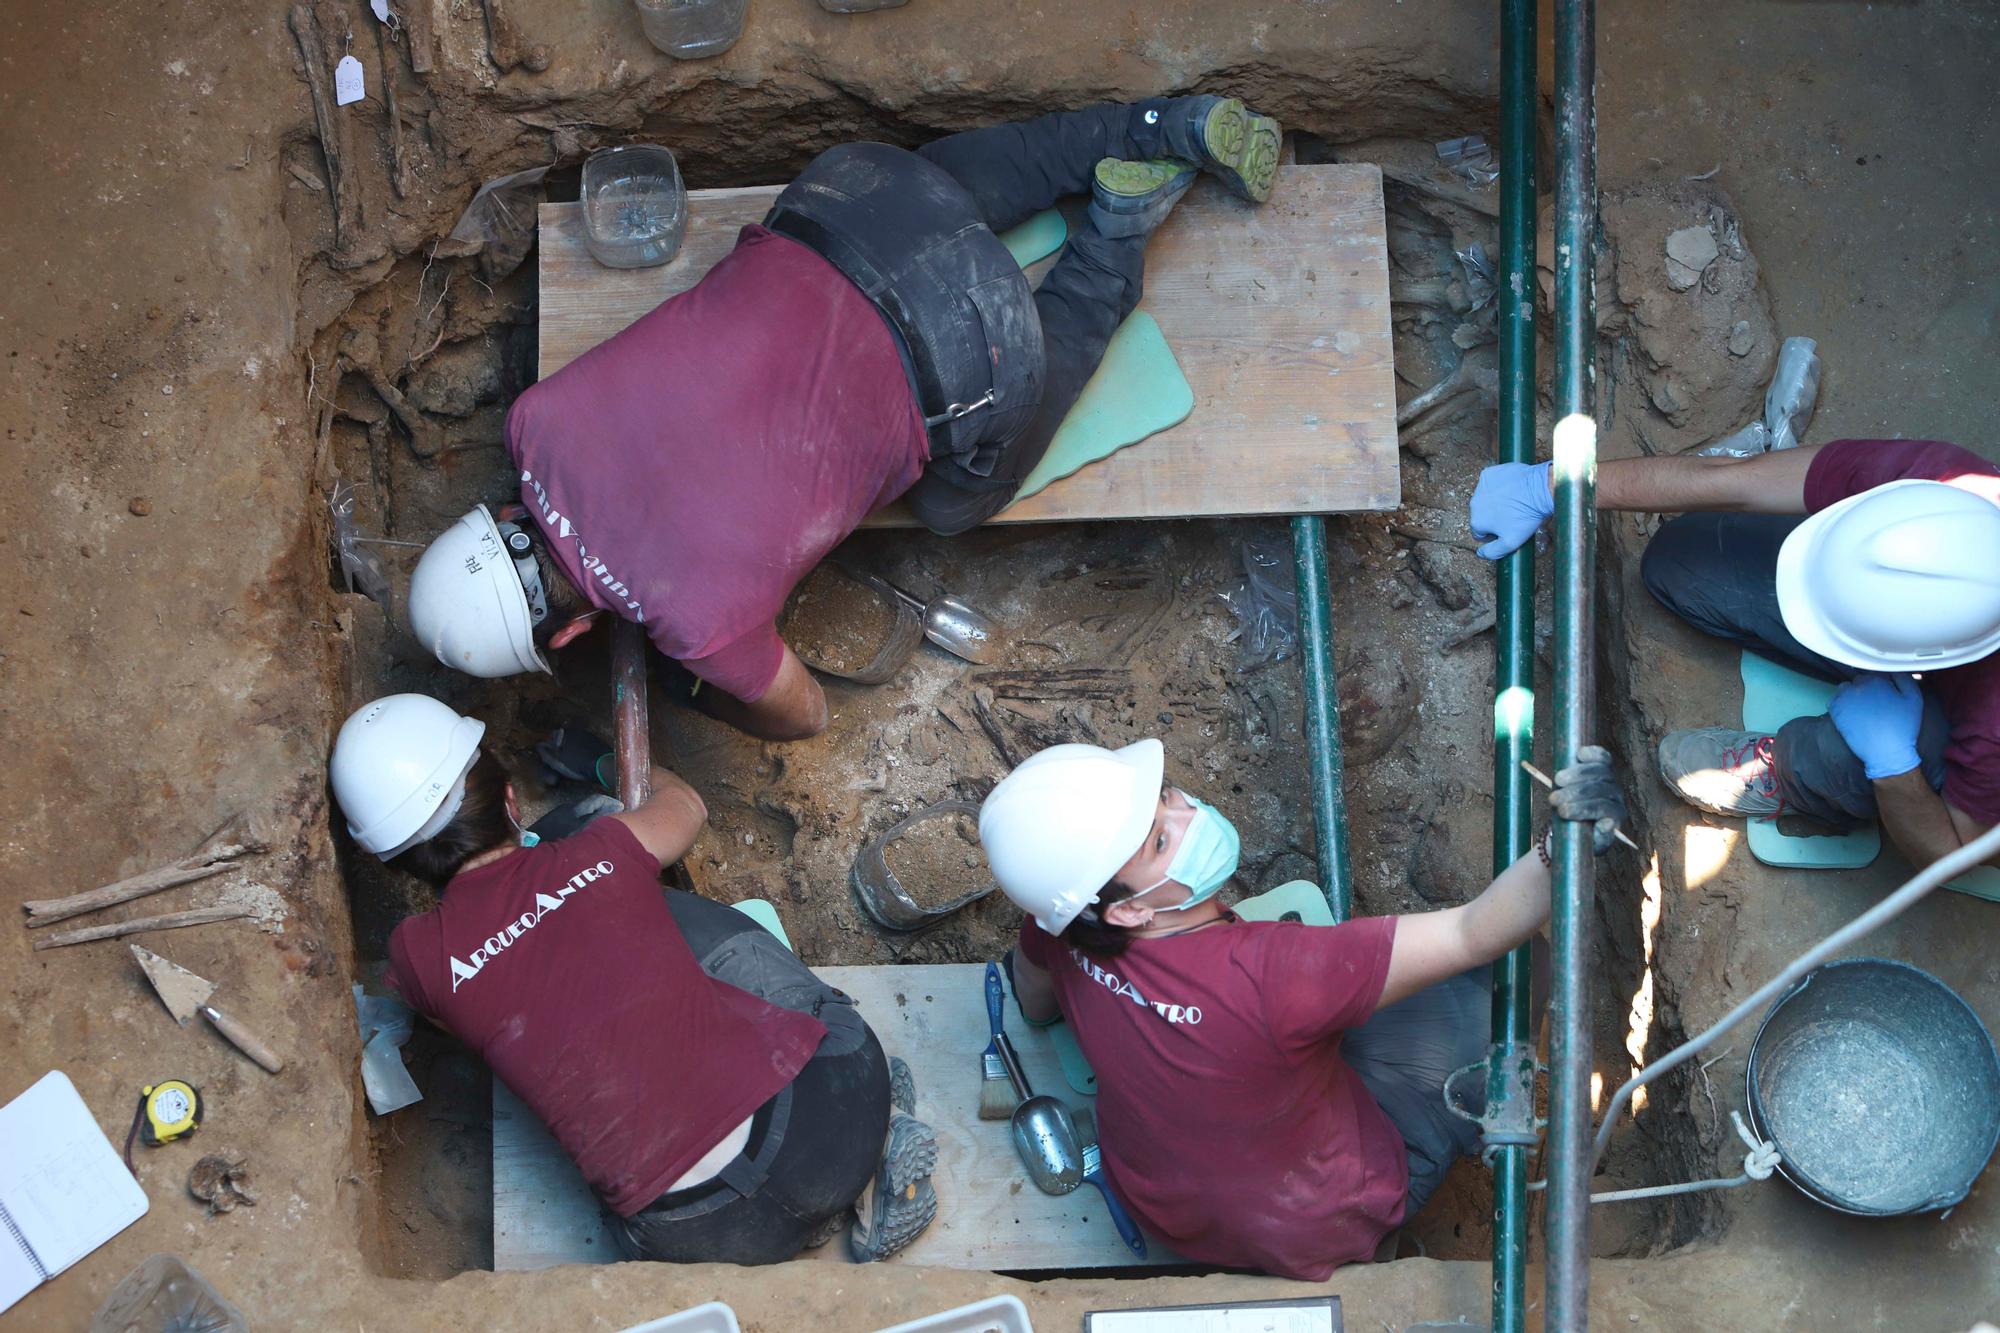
{"x": 1879, "y": 717}
{"x": 1510, "y": 502}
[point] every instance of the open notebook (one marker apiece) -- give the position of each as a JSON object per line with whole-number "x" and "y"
{"x": 63, "y": 1191}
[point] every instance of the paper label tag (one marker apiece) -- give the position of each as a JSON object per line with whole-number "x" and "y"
{"x": 381, "y": 8}
{"x": 347, "y": 84}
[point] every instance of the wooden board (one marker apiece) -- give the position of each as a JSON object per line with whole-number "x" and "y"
{"x": 1279, "y": 316}
{"x": 989, "y": 1216}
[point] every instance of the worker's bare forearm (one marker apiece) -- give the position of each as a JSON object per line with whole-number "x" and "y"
{"x": 1431, "y": 946}
{"x": 793, "y": 708}
{"x": 1034, "y": 992}
{"x": 1512, "y": 908}
{"x": 1923, "y": 825}
{"x": 668, "y": 821}
{"x": 1773, "y": 483}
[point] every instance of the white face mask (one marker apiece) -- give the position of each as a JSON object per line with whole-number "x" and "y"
{"x": 1205, "y": 859}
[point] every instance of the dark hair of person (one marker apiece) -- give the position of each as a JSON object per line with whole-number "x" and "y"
{"x": 1090, "y": 932}
{"x": 480, "y": 825}
{"x": 565, "y": 602}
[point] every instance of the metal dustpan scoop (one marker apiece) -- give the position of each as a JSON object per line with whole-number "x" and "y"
{"x": 955, "y": 627}
{"x": 883, "y": 896}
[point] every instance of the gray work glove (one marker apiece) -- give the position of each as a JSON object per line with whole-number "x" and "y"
{"x": 567, "y": 821}
{"x": 1587, "y": 792}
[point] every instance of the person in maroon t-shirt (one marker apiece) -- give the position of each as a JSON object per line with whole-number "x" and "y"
{"x": 1269, "y": 1094}
{"x": 1894, "y": 575}
{"x": 873, "y": 339}
{"x": 724, "y": 1103}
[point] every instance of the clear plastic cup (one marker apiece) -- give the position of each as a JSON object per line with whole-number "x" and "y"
{"x": 692, "y": 29}
{"x": 634, "y": 206}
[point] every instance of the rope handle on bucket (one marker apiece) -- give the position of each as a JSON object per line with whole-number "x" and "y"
{"x": 1758, "y": 1164}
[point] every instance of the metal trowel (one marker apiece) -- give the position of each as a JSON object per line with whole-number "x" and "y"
{"x": 186, "y": 995}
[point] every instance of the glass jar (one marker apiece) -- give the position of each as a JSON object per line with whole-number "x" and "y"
{"x": 634, "y": 206}
{"x": 692, "y": 29}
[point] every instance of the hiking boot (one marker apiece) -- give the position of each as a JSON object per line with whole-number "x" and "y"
{"x": 900, "y": 1201}
{"x": 1132, "y": 198}
{"x": 1722, "y": 770}
{"x": 1226, "y": 139}
{"x": 828, "y": 1229}
{"x": 902, "y": 1086}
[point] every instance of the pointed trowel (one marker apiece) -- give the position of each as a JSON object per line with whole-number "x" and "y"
{"x": 186, "y": 995}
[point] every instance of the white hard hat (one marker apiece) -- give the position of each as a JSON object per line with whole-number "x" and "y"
{"x": 1903, "y": 577}
{"x": 1058, "y": 827}
{"x": 468, "y": 605}
{"x": 398, "y": 769}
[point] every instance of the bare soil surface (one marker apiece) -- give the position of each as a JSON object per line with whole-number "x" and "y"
{"x": 192, "y": 354}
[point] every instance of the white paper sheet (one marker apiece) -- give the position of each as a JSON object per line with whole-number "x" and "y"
{"x": 61, "y": 1183}
{"x": 1276, "y": 1320}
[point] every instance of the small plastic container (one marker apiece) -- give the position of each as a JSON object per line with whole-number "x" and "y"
{"x": 692, "y": 29}
{"x": 634, "y": 206}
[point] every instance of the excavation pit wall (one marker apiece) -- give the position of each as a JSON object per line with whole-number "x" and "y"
{"x": 1122, "y": 631}
{"x": 186, "y": 689}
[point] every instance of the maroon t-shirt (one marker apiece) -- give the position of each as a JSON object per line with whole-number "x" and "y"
{"x": 690, "y": 471}
{"x": 1970, "y": 693}
{"x": 562, "y": 966}
{"x": 1230, "y": 1125}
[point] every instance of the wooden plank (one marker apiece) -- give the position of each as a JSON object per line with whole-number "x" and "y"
{"x": 1279, "y": 316}
{"x": 989, "y": 1217}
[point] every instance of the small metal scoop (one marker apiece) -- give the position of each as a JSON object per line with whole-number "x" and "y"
{"x": 1045, "y": 1136}
{"x": 955, "y": 627}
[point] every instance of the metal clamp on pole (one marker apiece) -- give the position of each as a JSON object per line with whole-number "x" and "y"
{"x": 1498, "y": 1095}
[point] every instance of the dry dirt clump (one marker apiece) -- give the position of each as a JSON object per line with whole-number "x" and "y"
{"x": 838, "y": 623}
{"x": 938, "y": 860}
{"x": 1690, "y": 345}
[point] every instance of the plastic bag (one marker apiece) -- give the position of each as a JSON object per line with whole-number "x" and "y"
{"x": 1788, "y": 406}
{"x": 362, "y": 568}
{"x": 386, "y": 1023}
{"x": 1266, "y": 604}
{"x": 1472, "y": 158}
{"x": 164, "y": 1295}
{"x": 501, "y": 220}
{"x": 1480, "y": 281}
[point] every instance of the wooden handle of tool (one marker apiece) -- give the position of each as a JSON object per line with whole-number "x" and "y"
{"x": 242, "y": 1038}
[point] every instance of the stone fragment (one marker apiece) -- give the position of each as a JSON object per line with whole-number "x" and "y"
{"x": 140, "y": 506}
{"x": 1689, "y": 251}
{"x": 1741, "y": 338}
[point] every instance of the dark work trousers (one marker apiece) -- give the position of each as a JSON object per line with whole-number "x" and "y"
{"x": 916, "y": 232}
{"x": 1405, "y": 1052}
{"x": 1719, "y": 572}
{"x": 812, "y": 1148}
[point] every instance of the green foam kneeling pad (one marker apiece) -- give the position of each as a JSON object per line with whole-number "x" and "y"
{"x": 1139, "y": 390}
{"x": 1037, "y": 238}
{"x": 1772, "y": 696}
{"x": 766, "y": 916}
{"x": 1300, "y": 895}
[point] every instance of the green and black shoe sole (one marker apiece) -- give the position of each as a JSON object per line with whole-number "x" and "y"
{"x": 1242, "y": 149}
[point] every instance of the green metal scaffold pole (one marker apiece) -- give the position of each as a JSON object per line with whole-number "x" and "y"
{"x": 1322, "y": 705}
{"x": 1514, "y": 645}
{"x": 1575, "y": 452}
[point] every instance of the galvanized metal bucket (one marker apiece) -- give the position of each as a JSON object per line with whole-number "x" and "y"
{"x": 1879, "y": 1086}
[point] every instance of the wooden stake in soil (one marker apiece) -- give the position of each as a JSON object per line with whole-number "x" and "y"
{"x": 200, "y": 916}
{"x": 399, "y": 176}
{"x": 332, "y": 127}
{"x": 48, "y": 911}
